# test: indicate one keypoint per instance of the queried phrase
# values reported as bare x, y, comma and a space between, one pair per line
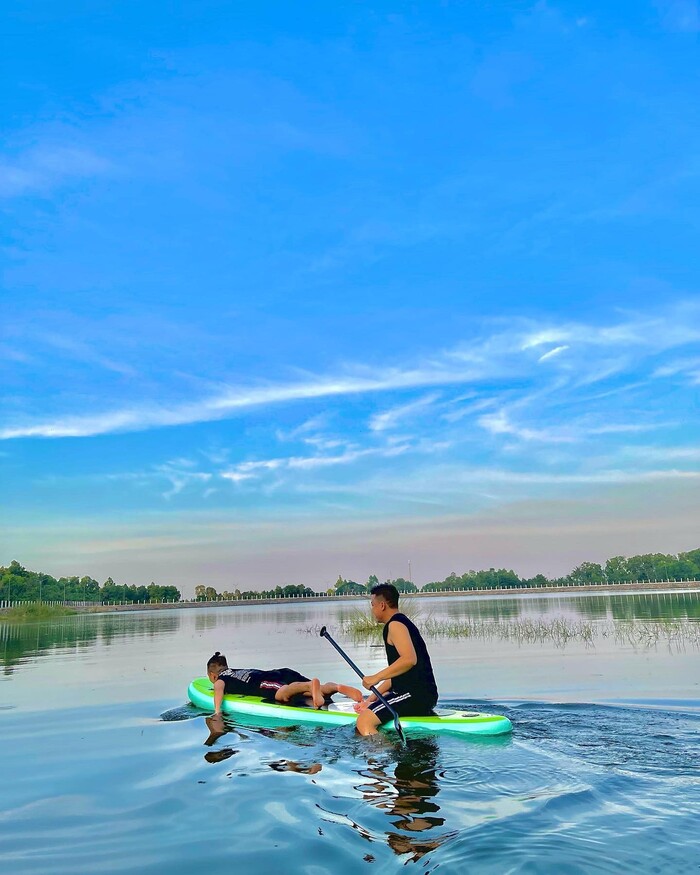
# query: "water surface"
106, 768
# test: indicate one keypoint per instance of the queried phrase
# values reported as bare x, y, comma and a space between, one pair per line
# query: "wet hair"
217, 661
388, 592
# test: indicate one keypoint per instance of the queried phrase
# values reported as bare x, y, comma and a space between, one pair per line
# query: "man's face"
377, 606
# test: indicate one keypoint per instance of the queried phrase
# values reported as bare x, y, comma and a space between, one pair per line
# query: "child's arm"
218, 696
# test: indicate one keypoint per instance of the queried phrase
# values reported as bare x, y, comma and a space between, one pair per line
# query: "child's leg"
297, 688
351, 693
311, 688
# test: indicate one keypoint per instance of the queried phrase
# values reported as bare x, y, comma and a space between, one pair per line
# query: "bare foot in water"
316, 694
350, 692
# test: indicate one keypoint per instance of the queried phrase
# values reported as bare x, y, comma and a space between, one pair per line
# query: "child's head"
216, 664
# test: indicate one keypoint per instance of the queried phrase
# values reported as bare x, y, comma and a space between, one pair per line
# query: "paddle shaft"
360, 673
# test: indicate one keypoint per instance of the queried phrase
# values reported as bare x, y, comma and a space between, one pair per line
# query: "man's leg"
367, 723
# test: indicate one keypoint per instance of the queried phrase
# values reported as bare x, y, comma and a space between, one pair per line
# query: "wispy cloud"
679, 16
687, 367
552, 352
499, 424
219, 407
44, 168
81, 351
249, 470
510, 357
388, 419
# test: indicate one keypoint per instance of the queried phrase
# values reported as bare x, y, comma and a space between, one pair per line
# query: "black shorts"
404, 704
278, 678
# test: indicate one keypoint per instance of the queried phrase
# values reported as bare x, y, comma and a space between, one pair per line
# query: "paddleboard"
201, 694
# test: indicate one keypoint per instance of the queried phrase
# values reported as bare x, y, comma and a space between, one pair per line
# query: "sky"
298, 290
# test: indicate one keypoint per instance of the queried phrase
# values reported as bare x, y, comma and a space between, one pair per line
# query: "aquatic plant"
559, 631
33, 613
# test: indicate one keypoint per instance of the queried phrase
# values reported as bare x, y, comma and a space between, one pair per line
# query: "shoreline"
588, 589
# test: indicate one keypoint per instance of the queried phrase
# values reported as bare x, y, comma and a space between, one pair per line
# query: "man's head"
216, 664
384, 601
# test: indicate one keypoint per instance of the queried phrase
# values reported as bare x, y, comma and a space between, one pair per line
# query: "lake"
106, 768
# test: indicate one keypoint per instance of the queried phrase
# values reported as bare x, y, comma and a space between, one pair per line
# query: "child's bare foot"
362, 705
316, 694
350, 692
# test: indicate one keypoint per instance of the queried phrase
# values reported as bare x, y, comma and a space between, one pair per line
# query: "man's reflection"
406, 790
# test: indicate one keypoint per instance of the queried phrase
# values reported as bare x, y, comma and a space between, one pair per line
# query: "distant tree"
404, 586
587, 572
350, 587
537, 580
617, 570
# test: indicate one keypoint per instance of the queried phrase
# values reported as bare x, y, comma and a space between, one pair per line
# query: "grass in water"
35, 613
559, 631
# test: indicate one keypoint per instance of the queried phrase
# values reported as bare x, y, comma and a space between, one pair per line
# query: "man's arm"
400, 637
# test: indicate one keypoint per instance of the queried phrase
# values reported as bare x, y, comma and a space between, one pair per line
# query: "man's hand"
371, 680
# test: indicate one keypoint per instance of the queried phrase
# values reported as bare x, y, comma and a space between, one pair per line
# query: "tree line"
619, 569
19, 584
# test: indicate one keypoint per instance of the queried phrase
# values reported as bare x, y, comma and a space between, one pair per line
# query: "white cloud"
248, 470
679, 16
499, 423
556, 351
594, 354
688, 367
230, 402
390, 418
47, 167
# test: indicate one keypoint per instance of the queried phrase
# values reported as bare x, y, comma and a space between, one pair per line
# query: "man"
407, 683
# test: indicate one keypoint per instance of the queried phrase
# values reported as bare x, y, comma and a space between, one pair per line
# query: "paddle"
360, 673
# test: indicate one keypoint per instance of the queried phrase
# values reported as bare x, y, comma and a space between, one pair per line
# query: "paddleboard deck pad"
201, 694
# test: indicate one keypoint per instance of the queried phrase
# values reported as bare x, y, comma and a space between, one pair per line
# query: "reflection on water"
21, 640
625, 606
406, 789
218, 727
580, 788
111, 788
99, 658
18, 641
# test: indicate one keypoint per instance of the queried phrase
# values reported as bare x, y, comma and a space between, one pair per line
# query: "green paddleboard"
201, 694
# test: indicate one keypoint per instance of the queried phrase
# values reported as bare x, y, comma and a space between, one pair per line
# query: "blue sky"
298, 290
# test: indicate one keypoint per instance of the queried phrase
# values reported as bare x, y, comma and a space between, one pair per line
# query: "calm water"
105, 768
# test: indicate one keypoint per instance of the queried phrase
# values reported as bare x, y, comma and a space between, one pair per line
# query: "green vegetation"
33, 613
209, 594
18, 584
650, 566
559, 631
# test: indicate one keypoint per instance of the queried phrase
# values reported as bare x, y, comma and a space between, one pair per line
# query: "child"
280, 684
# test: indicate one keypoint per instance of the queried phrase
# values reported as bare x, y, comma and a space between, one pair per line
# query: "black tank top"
419, 681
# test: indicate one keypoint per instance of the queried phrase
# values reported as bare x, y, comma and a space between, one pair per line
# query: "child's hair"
217, 661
